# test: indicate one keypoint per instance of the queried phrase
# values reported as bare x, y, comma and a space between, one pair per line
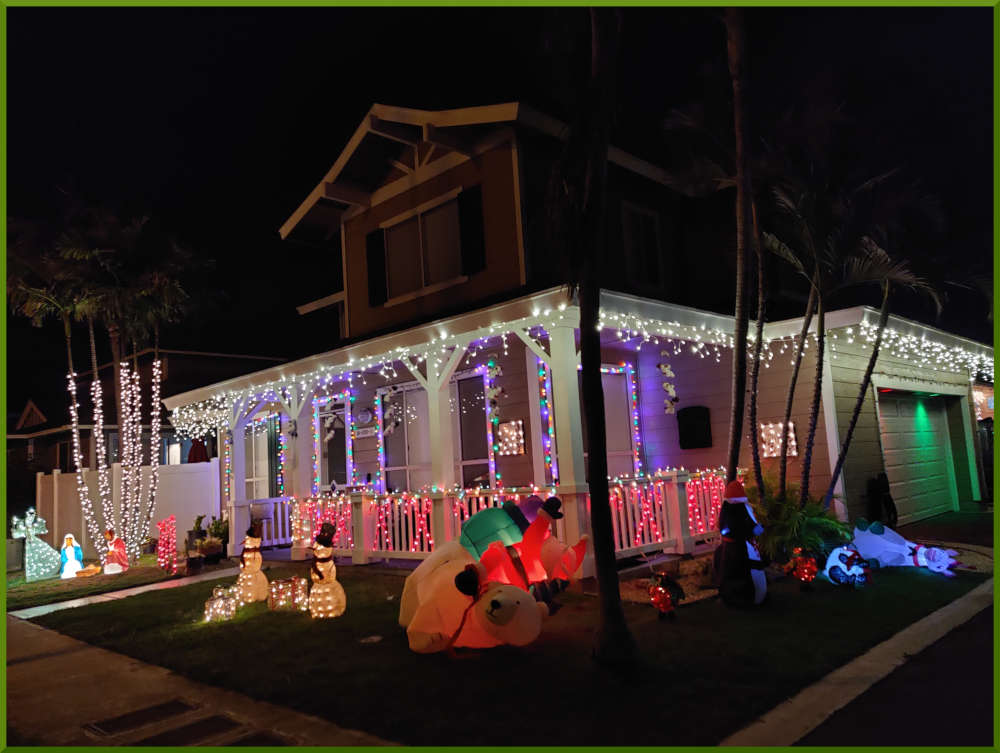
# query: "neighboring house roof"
30, 416
395, 148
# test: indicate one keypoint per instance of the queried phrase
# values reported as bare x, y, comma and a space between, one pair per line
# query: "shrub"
788, 526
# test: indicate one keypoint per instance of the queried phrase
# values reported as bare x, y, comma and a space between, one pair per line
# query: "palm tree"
38, 289
796, 364
832, 229
577, 199
744, 238
873, 263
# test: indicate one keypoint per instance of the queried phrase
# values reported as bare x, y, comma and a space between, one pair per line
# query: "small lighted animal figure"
845, 565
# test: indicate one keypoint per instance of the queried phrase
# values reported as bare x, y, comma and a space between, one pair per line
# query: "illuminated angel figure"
327, 597
40, 560
252, 583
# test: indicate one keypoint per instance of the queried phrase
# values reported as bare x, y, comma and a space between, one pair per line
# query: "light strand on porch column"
81, 485
634, 413
227, 475
548, 421
282, 458
490, 373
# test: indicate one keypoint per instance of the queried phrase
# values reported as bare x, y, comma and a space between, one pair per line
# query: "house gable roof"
30, 416
394, 148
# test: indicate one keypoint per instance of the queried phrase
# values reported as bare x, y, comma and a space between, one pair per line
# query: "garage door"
917, 454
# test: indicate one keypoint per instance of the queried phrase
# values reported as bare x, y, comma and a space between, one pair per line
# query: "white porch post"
237, 488
573, 487
302, 453
440, 430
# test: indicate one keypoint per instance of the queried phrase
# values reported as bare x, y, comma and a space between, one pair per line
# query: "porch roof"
632, 317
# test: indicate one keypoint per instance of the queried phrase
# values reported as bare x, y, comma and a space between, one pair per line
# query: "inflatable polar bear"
502, 548
437, 615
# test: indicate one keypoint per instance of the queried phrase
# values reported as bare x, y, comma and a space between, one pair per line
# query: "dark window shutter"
470, 218
375, 248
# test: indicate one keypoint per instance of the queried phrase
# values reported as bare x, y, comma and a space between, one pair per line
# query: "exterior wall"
864, 457
515, 470
494, 170
703, 381
185, 491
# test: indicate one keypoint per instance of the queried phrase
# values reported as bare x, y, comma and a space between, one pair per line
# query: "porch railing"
670, 512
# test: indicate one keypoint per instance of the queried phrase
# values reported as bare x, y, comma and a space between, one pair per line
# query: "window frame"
636, 276
418, 211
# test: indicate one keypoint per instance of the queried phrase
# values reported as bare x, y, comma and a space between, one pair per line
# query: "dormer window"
426, 249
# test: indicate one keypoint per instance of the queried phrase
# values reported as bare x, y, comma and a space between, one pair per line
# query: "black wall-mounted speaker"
694, 430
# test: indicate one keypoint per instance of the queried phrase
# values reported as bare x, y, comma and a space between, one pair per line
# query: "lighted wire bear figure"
40, 560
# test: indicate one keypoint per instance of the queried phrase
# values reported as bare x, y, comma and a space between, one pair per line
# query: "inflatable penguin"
739, 571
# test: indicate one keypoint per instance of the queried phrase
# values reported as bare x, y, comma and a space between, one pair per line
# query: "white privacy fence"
185, 491
671, 512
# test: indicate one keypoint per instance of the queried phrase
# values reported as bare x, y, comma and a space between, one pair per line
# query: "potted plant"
211, 548
195, 560
219, 529
196, 533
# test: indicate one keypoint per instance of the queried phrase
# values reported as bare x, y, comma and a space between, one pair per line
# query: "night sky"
218, 122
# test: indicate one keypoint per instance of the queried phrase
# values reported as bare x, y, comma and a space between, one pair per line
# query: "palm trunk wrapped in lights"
154, 453
755, 364
74, 414
125, 451
134, 544
103, 472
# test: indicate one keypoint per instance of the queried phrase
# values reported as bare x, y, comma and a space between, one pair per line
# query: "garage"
917, 451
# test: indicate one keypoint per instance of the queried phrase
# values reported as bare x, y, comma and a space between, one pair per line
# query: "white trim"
519, 208
421, 208
437, 287
829, 402
321, 303
976, 491
471, 325
891, 381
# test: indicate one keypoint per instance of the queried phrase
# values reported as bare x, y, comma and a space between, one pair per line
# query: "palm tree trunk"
744, 223
817, 395
614, 644
755, 366
114, 336
783, 463
74, 412
883, 318
103, 483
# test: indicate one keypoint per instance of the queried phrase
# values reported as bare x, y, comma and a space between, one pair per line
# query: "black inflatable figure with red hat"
739, 570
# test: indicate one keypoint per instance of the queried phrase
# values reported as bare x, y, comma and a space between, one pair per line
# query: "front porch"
399, 439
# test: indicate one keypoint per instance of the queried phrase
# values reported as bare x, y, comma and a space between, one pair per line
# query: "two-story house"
453, 382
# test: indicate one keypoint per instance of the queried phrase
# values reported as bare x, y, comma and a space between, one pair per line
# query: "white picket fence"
671, 512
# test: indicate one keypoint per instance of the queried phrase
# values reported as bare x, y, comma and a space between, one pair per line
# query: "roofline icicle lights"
200, 418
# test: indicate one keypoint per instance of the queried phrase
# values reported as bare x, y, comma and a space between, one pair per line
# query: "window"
427, 248
261, 446
618, 425
641, 241
407, 446
469, 401
333, 445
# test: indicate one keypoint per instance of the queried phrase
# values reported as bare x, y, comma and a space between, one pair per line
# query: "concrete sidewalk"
61, 691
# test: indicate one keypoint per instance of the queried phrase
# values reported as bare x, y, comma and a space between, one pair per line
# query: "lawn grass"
21, 595
704, 676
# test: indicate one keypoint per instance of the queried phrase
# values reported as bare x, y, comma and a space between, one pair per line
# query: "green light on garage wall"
921, 419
